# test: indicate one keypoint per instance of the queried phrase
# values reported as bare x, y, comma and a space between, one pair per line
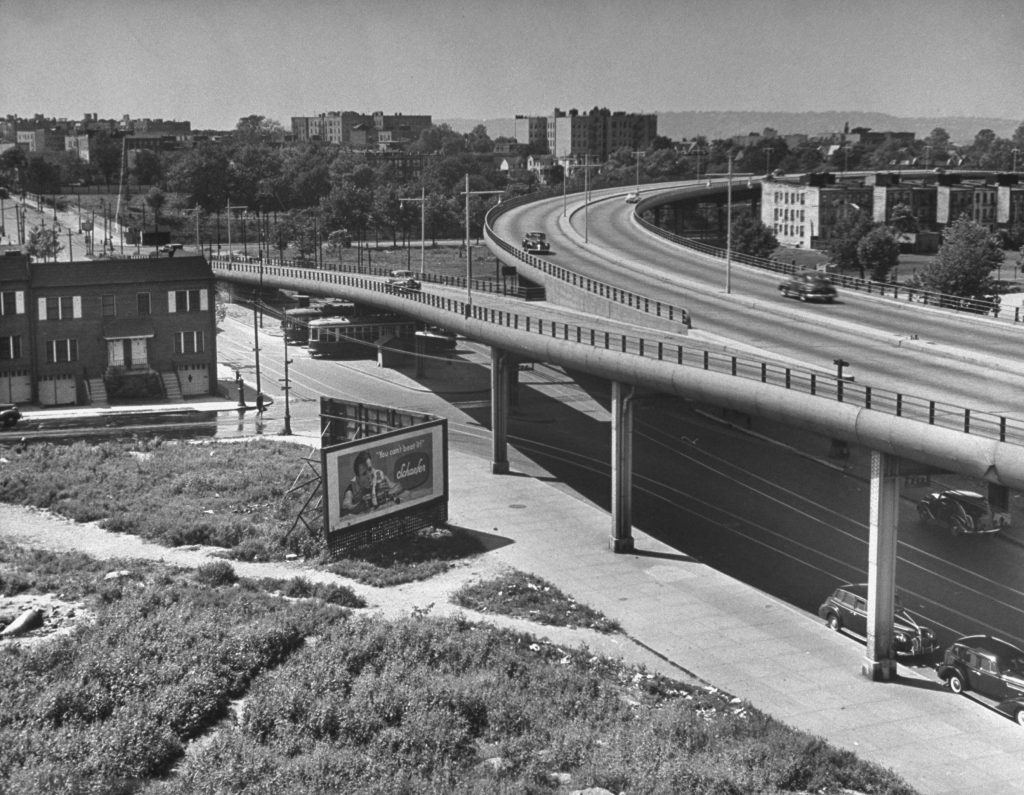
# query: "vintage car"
960, 511
9, 415
989, 666
404, 285
536, 242
632, 198
847, 608
809, 286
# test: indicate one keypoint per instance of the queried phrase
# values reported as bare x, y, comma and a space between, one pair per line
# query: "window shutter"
171, 306
42, 309
76, 303
19, 302
204, 300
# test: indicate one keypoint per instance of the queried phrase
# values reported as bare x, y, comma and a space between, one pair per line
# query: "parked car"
847, 608
9, 415
537, 242
809, 286
632, 198
989, 666
959, 511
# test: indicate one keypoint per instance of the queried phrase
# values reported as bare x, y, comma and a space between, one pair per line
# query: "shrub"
218, 572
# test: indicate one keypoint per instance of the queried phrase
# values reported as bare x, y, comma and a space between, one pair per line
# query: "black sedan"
809, 286
958, 511
846, 608
9, 415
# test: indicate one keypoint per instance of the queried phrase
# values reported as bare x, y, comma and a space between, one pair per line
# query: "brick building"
85, 332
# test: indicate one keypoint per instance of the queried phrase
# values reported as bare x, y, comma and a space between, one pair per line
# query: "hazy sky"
213, 61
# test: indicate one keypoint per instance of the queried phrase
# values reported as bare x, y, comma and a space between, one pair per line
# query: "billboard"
379, 479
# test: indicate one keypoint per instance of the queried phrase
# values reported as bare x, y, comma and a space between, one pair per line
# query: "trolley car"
358, 335
295, 322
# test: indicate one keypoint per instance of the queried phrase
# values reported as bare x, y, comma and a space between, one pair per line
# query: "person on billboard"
370, 488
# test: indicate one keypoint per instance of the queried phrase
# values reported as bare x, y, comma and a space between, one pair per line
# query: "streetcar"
295, 322
359, 335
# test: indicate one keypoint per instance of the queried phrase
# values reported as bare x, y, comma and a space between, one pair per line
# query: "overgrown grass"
174, 493
523, 595
419, 556
418, 705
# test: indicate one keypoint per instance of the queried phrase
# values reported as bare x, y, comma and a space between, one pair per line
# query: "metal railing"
750, 368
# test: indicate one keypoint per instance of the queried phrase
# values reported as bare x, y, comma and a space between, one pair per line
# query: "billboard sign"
382, 477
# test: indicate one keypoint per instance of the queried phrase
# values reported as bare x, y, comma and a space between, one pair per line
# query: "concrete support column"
622, 469
880, 659
500, 363
420, 351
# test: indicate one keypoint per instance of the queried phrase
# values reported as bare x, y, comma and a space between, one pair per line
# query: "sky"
212, 62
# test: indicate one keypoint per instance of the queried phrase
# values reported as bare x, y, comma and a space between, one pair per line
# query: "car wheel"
957, 683
802, 296
922, 514
955, 527
834, 622
1020, 717
783, 292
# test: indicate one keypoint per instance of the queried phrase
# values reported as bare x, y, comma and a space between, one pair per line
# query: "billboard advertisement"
375, 478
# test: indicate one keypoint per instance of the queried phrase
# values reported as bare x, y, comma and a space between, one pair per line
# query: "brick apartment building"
91, 331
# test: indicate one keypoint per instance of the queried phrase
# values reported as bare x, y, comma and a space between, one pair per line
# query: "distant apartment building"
376, 131
803, 210
571, 136
40, 135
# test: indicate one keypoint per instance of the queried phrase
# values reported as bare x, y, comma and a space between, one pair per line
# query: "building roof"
120, 271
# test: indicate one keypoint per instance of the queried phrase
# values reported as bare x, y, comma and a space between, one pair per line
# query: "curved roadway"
934, 354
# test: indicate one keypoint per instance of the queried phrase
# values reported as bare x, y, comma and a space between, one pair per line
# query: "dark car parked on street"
9, 415
847, 608
989, 666
959, 511
809, 286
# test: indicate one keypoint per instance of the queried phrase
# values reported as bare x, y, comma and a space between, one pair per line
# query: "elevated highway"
930, 387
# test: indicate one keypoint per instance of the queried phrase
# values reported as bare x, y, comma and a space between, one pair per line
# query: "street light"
287, 430
423, 222
728, 231
1015, 153
638, 156
469, 251
229, 209
587, 165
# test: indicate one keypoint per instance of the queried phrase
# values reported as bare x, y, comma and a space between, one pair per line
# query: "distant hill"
678, 125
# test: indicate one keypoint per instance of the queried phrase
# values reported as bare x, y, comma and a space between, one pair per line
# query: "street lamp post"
469, 251
1015, 153
728, 231
231, 207
587, 165
638, 156
287, 430
423, 223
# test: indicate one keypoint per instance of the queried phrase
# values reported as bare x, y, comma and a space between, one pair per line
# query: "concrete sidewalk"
785, 662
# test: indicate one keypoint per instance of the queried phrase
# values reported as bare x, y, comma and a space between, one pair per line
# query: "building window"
142, 300
109, 303
10, 348
187, 301
58, 351
189, 342
60, 307
12, 302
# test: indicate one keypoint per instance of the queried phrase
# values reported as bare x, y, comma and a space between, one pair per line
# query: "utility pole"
638, 156
287, 430
728, 232
469, 251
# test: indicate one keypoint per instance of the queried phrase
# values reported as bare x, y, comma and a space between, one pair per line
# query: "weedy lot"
198, 681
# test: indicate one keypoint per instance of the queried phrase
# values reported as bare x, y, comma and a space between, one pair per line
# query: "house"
75, 333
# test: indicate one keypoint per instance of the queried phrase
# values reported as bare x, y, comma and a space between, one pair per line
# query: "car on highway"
9, 415
990, 667
170, 248
632, 198
404, 281
847, 608
809, 286
960, 512
536, 242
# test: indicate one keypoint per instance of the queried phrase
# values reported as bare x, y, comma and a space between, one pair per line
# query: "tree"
203, 175
43, 242
41, 176
256, 129
878, 253
155, 199
105, 152
964, 263
750, 236
849, 228
148, 167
